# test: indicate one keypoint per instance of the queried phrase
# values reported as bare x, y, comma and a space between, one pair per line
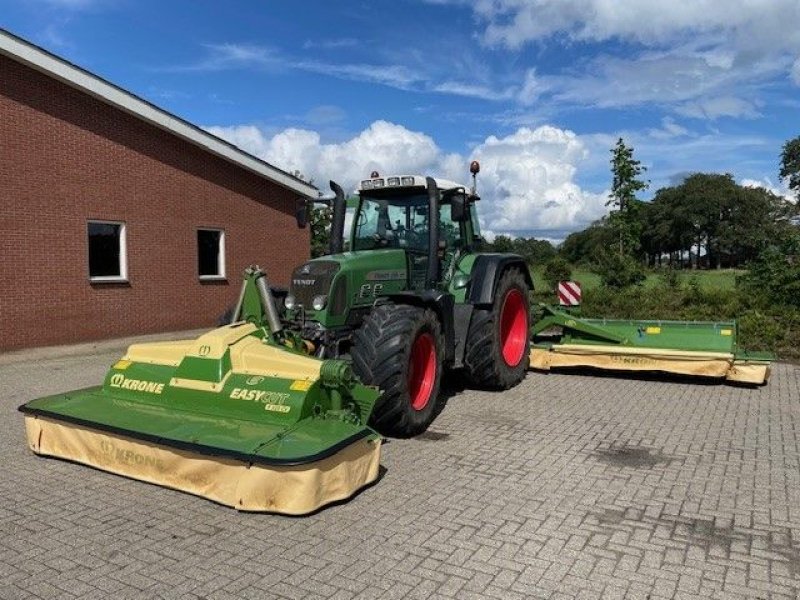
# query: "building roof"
56, 67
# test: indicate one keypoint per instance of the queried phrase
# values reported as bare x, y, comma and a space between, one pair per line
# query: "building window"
211, 253
107, 251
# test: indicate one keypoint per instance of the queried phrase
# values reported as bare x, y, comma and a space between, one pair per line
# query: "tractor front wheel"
498, 342
399, 349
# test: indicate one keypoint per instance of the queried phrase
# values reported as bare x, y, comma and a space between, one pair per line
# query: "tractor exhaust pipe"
337, 220
433, 233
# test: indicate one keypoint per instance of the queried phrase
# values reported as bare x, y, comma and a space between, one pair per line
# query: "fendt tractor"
413, 297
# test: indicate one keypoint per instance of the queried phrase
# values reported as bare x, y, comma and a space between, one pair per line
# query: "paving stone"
567, 486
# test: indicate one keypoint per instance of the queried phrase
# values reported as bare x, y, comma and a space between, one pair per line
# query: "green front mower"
239, 416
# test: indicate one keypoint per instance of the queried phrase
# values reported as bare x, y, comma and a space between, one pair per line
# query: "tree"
320, 223
532, 250
625, 171
502, 243
790, 164
319, 220
585, 247
555, 270
773, 279
712, 219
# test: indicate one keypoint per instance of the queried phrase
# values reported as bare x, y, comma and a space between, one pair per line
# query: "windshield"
400, 222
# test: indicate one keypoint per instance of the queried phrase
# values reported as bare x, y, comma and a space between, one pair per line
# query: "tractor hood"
347, 280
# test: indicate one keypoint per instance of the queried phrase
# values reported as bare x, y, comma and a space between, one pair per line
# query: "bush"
619, 270
772, 279
670, 279
555, 270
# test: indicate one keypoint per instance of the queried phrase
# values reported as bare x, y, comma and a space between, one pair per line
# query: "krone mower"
702, 349
241, 415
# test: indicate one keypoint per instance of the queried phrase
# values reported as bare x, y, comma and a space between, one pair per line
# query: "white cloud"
780, 189
648, 22
532, 88
713, 108
527, 180
331, 44
669, 129
708, 58
221, 57
473, 91
397, 76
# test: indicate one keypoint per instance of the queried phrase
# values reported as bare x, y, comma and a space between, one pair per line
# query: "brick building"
119, 218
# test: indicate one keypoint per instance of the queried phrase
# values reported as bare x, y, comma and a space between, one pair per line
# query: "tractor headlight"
460, 281
289, 302
319, 302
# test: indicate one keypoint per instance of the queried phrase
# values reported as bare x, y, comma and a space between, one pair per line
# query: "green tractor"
412, 297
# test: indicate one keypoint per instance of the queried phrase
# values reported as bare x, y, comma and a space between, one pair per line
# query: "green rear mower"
694, 348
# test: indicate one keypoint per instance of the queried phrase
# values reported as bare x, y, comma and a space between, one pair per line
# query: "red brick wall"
66, 158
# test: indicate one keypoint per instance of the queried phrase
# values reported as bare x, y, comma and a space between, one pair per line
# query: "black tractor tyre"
497, 350
400, 349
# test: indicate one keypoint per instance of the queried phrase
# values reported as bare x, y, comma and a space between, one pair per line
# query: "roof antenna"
474, 168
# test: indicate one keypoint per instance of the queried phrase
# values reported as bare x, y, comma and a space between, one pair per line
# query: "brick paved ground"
566, 487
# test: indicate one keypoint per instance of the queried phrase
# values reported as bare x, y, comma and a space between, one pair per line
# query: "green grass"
718, 279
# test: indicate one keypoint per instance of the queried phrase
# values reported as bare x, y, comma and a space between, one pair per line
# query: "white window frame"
123, 253
221, 275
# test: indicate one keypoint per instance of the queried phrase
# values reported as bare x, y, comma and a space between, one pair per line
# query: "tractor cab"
432, 220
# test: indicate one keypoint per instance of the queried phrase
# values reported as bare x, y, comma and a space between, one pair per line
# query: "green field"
721, 279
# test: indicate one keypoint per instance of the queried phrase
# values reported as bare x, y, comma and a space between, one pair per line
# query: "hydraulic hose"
268, 303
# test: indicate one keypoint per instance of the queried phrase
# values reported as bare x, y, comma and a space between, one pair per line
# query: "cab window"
400, 222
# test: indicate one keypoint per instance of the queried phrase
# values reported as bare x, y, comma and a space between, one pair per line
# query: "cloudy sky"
537, 90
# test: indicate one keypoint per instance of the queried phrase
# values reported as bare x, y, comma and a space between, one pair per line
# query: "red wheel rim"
513, 328
421, 371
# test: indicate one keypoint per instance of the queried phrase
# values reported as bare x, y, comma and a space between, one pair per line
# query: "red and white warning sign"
569, 293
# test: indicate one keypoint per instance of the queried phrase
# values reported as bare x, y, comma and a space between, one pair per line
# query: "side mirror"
459, 211
301, 214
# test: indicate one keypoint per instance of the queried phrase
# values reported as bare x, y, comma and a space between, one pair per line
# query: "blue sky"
538, 90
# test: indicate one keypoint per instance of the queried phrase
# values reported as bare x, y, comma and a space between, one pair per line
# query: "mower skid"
755, 373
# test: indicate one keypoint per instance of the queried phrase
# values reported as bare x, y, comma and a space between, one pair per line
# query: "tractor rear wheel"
399, 349
498, 342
